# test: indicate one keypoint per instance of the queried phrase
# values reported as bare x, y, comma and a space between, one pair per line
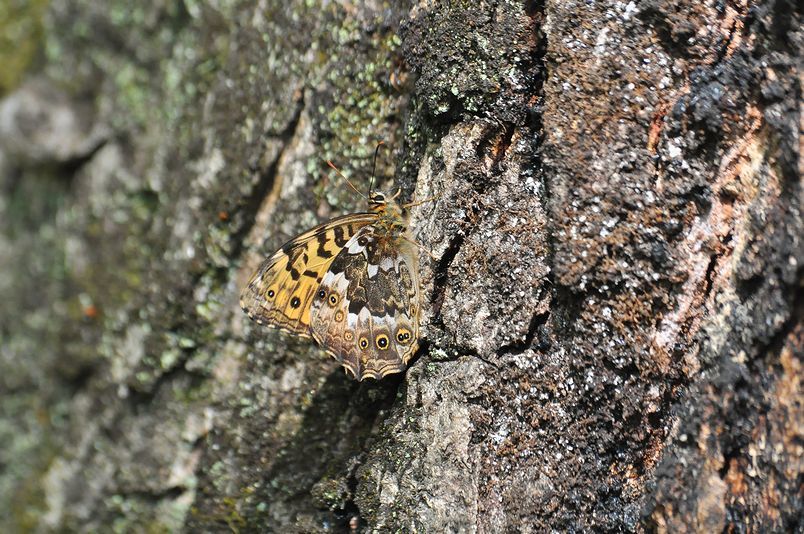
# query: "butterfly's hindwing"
281, 291
366, 310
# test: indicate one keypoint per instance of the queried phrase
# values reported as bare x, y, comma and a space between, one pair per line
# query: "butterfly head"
377, 198
385, 205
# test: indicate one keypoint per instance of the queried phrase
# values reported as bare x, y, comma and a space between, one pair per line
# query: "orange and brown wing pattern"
281, 291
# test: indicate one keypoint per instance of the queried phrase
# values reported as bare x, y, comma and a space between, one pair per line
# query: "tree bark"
613, 333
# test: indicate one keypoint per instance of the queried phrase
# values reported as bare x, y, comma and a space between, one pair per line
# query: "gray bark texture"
612, 338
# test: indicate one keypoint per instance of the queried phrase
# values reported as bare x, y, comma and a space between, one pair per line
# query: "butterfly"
351, 284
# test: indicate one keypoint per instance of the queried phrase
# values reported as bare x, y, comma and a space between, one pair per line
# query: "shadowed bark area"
612, 339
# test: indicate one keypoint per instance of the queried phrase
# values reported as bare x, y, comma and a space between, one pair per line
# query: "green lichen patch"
21, 39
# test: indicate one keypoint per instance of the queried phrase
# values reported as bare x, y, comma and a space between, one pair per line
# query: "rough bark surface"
613, 338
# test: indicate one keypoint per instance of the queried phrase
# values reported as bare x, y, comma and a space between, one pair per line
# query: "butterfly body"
351, 284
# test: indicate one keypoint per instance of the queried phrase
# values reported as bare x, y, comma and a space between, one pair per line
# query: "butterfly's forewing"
282, 289
366, 311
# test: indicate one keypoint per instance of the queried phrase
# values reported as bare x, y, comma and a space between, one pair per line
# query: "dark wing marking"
281, 290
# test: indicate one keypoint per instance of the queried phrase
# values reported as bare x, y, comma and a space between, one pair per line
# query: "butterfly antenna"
345, 179
374, 165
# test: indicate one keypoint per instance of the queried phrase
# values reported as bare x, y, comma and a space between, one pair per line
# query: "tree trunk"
613, 333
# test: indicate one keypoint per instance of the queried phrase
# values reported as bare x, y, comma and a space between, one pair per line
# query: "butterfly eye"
382, 341
322, 294
363, 343
338, 316
348, 335
333, 299
294, 303
403, 335
271, 293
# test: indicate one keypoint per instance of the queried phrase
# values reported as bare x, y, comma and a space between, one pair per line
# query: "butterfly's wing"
366, 312
282, 289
